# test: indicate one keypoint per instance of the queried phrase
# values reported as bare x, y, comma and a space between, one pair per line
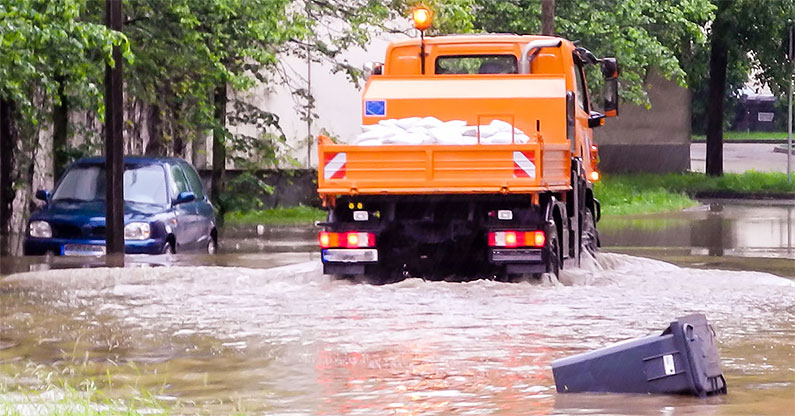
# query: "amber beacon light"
422, 16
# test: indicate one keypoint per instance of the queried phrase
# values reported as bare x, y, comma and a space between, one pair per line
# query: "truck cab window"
582, 90
476, 64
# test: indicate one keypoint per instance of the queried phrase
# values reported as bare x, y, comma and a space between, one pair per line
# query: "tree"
744, 34
641, 33
48, 52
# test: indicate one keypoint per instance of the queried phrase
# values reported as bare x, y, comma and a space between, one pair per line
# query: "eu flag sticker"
374, 108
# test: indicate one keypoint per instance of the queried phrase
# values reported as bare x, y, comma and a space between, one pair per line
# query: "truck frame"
469, 210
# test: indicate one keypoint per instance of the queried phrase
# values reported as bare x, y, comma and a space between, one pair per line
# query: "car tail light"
517, 239
351, 239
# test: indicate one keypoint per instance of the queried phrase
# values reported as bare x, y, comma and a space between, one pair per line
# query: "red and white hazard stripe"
334, 166
523, 166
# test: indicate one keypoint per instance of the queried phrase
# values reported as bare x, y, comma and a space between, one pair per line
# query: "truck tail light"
351, 239
517, 239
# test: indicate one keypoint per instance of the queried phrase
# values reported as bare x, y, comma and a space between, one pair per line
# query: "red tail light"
517, 239
350, 239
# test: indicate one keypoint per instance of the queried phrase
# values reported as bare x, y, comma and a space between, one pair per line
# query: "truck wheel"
553, 255
590, 236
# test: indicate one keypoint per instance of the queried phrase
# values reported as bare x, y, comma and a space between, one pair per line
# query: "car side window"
194, 180
180, 184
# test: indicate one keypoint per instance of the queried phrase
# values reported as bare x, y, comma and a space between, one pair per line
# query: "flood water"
269, 334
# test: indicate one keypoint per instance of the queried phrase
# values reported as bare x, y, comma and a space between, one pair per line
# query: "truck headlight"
136, 231
40, 229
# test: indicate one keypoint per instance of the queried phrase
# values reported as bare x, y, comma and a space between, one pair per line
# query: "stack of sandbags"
431, 130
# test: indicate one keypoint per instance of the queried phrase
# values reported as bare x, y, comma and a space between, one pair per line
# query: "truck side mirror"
610, 72
372, 68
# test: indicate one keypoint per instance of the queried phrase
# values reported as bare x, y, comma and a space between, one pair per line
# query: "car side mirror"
184, 197
610, 72
596, 119
43, 195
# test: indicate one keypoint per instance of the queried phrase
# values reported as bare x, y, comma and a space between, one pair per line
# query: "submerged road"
288, 340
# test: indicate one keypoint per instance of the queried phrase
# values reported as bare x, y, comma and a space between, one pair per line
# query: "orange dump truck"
470, 206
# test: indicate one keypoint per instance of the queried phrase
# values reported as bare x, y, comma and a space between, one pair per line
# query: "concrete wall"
653, 140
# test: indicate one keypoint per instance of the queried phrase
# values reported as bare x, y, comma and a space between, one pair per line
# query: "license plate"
83, 250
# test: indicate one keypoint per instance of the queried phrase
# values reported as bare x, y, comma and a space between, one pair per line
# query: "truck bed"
442, 169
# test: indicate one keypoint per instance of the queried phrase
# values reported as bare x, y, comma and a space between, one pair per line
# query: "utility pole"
114, 139
791, 55
548, 17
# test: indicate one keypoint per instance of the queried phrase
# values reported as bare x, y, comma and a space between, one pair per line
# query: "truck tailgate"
426, 169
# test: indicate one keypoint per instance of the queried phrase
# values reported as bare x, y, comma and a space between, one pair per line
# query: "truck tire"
590, 237
553, 253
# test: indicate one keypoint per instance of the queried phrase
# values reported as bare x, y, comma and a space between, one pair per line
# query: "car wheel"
168, 248
212, 247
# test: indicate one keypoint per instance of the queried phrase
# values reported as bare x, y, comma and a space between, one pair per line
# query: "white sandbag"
454, 124
406, 139
502, 137
370, 142
429, 122
500, 126
407, 123
390, 122
447, 135
380, 132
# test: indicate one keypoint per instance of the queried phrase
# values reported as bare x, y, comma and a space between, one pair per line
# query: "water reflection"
715, 229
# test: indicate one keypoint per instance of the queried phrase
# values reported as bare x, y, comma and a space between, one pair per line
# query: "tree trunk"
154, 146
548, 17
718, 62
60, 124
177, 142
219, 150
7, 145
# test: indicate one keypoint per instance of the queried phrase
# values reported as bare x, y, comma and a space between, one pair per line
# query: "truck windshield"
142, 184
476, 64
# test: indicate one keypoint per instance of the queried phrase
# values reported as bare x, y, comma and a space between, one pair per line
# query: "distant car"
165, 210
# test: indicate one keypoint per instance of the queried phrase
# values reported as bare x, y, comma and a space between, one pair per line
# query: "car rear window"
476, 64
143, 184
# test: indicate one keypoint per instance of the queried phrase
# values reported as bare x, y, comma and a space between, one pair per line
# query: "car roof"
132, 160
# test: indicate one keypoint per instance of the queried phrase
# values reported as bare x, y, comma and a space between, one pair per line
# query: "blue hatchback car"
165, 210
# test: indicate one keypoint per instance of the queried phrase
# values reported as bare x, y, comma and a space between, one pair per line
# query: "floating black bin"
683, 360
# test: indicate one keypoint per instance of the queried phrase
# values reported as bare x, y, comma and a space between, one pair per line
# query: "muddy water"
287, 340
738, 235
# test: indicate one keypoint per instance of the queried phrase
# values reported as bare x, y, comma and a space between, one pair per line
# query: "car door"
205, 216
185, 233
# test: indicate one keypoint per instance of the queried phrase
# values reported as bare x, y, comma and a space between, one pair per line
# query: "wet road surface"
269, 334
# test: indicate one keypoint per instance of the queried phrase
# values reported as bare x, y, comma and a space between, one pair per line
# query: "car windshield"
142, 184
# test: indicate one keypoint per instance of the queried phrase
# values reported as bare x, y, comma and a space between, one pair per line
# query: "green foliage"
42, 40
641, 34
643, 193
300, 215
756, 40
630, 194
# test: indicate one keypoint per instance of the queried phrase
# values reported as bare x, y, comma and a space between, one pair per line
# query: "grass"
300, 215
760, 136
43, 393
648, 193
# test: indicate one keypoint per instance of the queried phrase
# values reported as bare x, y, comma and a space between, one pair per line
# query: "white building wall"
337, 100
